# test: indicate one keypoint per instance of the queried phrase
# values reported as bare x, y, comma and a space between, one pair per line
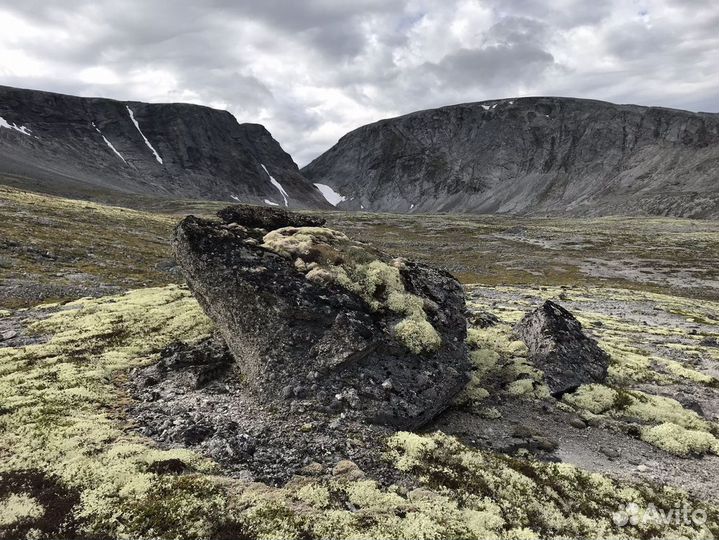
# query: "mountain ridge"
160, 149
530, 156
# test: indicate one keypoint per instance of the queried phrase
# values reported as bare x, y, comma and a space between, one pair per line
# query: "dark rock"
279, 325
483, 319
577, 422
267, 218
168, 466
193, 365
559, 348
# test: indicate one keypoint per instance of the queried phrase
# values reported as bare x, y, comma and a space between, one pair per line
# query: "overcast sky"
312, 70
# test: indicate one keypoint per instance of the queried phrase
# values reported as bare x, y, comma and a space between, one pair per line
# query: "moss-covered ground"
71, 466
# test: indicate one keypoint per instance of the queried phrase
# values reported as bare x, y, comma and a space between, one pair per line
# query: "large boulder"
311, 315
559, 348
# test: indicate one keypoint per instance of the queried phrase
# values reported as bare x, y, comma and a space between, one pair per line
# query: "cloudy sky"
312, 70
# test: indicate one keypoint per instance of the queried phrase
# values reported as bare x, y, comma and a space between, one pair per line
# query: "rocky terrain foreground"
541, 156
254, 373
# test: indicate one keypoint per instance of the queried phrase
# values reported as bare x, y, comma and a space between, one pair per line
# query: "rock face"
84, 146
530, 156
559, 348
309, 314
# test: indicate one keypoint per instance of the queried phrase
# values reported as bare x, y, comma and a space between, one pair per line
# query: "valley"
645, 288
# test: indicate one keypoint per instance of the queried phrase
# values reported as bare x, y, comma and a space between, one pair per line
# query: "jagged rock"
192, 366
559, 348
306, 307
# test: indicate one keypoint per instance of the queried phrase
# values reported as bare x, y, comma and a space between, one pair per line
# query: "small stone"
577, 422
307, 427
642, 468
387, 384
312, 469
522, 432
611, 453
491, 414
546, 444
8, 335
287, 392
347, 469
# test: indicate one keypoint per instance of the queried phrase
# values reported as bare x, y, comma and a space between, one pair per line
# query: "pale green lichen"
417, 335
328, 256
666, 415
19, 507
496, 353
57, 396
531, 499
595, 398
679, 440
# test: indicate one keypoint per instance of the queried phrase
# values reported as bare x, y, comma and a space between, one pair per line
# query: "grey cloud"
314, 69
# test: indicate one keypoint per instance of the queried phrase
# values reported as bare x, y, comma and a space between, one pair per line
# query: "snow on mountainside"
76, 145
530, 156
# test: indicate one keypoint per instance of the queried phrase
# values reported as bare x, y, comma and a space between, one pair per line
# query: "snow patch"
485, 107
108, 142
277, 185
271, 203
330, 194
511, 102
22, 129
235, 197
362, 206
411, 207
132, 117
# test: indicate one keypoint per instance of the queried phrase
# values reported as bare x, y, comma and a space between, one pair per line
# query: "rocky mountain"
531, 156
172, 150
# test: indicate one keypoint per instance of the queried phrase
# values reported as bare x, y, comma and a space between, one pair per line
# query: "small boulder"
558, 347
300, 305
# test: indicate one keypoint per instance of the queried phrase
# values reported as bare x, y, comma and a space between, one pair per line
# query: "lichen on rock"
301, 305
326, 255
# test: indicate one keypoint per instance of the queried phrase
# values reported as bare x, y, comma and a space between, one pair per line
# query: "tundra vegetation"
66, 443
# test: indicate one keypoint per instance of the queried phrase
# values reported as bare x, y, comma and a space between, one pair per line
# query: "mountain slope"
530, 156
171, 150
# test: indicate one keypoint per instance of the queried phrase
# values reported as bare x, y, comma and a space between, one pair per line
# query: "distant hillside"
75, 146
531, 156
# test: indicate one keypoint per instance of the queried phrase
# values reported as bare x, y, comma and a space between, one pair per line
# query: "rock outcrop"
311, 315
558, 347
86, 147
530, 156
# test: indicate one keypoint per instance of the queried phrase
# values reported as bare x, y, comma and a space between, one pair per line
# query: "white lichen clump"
19, 507
328, 256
